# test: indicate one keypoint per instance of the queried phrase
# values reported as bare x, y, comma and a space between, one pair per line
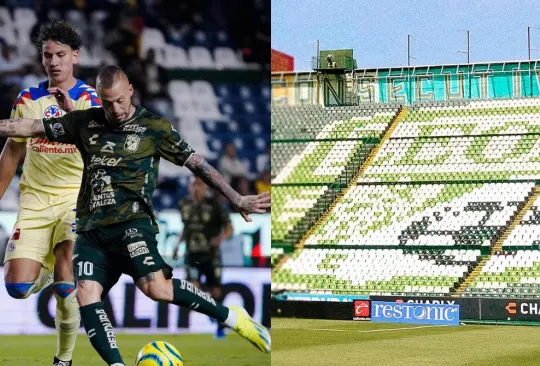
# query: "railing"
332, 62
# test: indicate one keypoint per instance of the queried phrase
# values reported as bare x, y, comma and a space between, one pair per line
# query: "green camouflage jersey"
120, 162
202, 220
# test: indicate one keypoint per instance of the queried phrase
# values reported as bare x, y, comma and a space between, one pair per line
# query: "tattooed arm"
244, 204
21, 127
9, 160
200, 167
173, 148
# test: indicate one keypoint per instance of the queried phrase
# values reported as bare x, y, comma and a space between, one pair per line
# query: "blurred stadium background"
205, 66
407, 184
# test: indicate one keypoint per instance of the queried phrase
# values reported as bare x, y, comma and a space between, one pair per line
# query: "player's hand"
253, 204
215, 242
63, 99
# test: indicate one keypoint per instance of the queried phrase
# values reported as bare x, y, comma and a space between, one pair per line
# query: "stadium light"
409, 37
468, 52
529, 40
317, 54
529, 49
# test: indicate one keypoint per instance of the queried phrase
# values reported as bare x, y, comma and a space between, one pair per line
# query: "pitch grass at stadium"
195, 349
329, 342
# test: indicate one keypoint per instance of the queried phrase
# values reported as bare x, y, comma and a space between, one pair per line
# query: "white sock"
67, 323
232, 319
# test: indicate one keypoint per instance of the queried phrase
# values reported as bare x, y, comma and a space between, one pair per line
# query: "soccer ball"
159, 354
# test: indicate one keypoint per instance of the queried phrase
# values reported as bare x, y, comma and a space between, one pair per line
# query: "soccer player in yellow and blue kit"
40, 249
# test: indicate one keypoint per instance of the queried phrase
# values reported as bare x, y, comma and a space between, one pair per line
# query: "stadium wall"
132, 312
407, 85
295, 88
281, 61
472, 310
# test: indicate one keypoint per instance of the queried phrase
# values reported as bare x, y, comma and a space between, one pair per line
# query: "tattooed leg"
181, 293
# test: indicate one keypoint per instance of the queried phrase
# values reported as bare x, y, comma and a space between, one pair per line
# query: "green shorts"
198, 265
129, 247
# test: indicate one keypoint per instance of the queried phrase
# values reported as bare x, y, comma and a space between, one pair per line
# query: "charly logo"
108, 148
149, 261
53, 111
511, 308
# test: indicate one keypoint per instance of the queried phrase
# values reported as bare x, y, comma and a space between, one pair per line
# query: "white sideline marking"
329, 330
376, 330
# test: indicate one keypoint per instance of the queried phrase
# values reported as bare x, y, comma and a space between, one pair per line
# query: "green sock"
185, 294
101, 333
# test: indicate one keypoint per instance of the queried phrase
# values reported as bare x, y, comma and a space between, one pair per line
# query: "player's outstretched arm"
21, 127
244, 204
9, 160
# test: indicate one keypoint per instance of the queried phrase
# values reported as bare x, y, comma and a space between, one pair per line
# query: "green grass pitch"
331, 342
27, 350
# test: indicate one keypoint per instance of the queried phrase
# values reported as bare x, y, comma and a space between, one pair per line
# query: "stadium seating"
276, 255
319, 147
290, 204
527, 233
374, 271
486, 140
511, 274
453, 184
458, 214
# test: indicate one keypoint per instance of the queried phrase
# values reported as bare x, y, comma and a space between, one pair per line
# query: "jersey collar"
138, 111
73, 92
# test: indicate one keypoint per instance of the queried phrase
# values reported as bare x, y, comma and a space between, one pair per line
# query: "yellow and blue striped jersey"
51, 170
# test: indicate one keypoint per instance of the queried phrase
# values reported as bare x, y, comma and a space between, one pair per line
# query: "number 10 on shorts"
86, 268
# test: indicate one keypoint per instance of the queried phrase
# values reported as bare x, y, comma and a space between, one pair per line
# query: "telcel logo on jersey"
99, 160
53, 111
437, 314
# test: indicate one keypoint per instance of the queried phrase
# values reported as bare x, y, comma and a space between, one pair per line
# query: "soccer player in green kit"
121, 145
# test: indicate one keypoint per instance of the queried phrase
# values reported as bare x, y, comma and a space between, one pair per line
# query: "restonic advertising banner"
468, 307
402, 312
